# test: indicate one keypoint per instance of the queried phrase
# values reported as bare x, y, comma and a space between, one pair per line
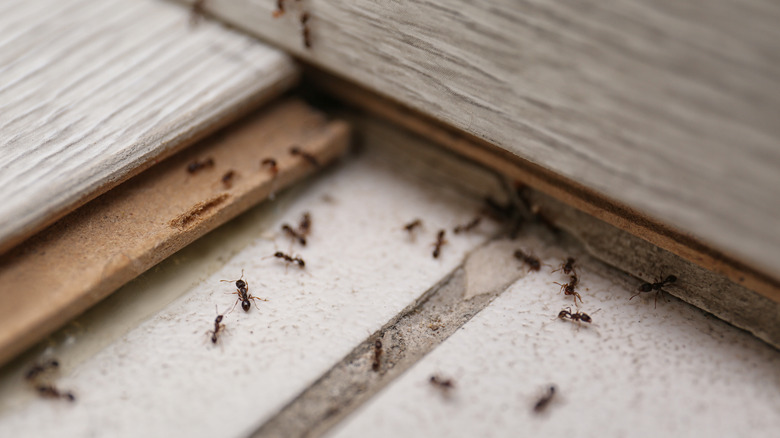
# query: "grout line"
408, 337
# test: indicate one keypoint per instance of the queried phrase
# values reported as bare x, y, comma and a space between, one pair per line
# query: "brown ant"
304, 226
243, 294
411, 226
567, 266
218, 326
196, 165
305, 30
227, 178
272, 166
294, 235
533, 263
297, 151
289, 259
444, 385
197, 12
49, 391
377, 356
576, 316
649, 287
438, 244
39, 368
568, 288
469, 226
543, 402
279, 9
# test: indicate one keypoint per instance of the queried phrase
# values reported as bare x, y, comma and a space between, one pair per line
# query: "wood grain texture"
93, 92
92, 251
669, 108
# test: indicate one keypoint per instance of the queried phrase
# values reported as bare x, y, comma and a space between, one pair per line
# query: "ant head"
670, 279
279, 254
585, 317
378, 344
562, 314
245, 305
647, 287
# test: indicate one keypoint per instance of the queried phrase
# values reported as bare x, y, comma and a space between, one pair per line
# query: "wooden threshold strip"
563, 189
68, 267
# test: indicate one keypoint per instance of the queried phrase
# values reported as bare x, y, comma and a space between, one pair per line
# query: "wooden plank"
669, 109
88, 254
93, 93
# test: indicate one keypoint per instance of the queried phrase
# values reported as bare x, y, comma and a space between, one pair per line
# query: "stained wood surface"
668, 108
93, 92
62, 271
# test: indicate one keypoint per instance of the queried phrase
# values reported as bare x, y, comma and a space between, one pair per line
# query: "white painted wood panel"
90, 91
636, 370
671, 108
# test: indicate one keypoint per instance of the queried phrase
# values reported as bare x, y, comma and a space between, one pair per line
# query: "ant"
543, 402
49, 391
218, 326
469, 226
411, 226
438, 244
279, 9
304, 226
567, 266
243, 294
197, 11
227, 178
576, 316
648, 287
196, 165
445, 385
533, 263
294, 235
272, 166
306, 31
568, 288
295, 150
289, 259
39, 368
377, 355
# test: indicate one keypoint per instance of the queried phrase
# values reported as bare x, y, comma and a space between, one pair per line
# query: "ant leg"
635, 295
255, 298
234, 304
